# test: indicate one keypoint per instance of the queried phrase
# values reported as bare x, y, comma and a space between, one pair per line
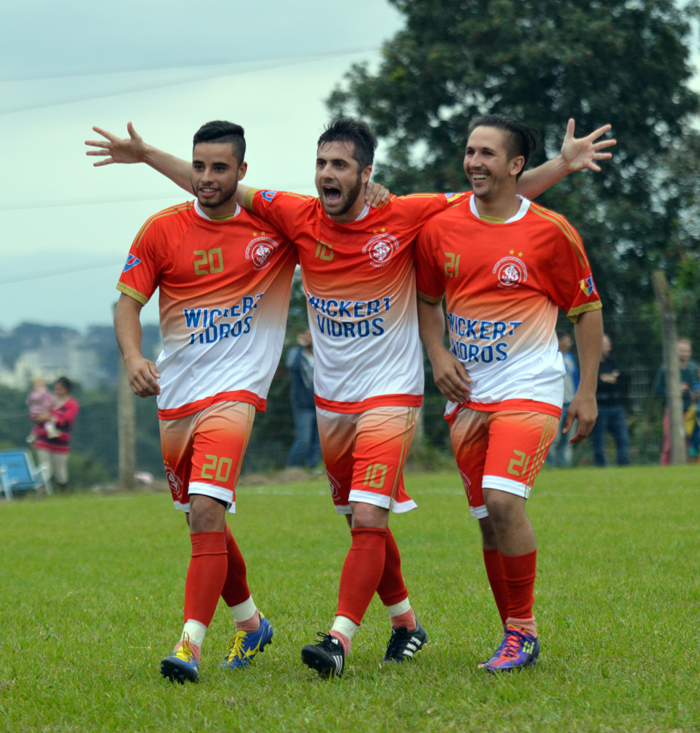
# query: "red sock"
391, 587
206, 575
499, 587
520, 572
235, 589
362, 571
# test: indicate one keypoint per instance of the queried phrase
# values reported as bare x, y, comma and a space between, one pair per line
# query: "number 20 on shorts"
222, 466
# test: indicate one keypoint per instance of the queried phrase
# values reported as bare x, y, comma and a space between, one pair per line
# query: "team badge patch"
260, 251
174, 482
587, 286
510, 271
268, 195
381, 249
452, 197
131, 261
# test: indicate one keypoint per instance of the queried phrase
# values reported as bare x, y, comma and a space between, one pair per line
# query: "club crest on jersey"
335, 486
510, 271
588, 286
381, 249
174, 482
268, 195
260, 250
452, 197
131, 261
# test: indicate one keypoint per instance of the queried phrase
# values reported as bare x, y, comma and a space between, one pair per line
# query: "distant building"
50, 362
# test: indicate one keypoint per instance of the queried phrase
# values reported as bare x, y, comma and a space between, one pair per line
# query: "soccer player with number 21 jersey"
505, 266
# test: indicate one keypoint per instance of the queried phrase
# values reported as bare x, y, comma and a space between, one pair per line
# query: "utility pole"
126, 419
672, 367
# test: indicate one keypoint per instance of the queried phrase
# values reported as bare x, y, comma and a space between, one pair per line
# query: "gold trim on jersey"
574, 313
166, 212
492, 219
248, 200
140, 297
566, 228
430, 299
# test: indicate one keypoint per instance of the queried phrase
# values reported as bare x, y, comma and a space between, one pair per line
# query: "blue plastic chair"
18, 473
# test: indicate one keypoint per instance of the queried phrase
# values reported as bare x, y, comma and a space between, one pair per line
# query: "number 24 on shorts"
222, 466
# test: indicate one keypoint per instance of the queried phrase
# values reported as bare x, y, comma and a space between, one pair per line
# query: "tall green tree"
625, 62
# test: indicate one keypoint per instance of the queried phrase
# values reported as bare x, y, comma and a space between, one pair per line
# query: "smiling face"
339, 181
488, 165
215, 175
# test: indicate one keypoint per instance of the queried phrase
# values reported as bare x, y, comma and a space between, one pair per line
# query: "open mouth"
478, 177
331, 194
206, 191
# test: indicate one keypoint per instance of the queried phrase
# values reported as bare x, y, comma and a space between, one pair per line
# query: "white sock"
345, 626
243, 611
196, 632
398, 608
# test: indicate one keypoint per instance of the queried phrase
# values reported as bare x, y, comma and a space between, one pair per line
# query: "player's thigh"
518, 444
336, 432
383, 441
469, 436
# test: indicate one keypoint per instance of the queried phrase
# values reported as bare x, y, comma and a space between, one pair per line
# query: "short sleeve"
139, 278
430, 279
287, 212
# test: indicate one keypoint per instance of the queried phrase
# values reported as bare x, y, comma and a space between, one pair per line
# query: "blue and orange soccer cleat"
246, 644
517, 650
182, 665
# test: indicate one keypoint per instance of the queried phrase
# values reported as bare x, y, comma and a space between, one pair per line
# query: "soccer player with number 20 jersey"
505, 266
225, 279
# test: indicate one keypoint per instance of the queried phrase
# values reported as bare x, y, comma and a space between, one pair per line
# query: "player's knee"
206, 514
503, 507
488, 535
368, 515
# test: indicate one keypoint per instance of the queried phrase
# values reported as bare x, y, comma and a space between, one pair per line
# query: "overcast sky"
66, 227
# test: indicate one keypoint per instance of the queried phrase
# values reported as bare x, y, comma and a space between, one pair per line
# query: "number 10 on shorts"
375, 476
222, 466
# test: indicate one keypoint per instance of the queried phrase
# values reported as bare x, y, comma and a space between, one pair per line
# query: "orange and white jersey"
504, 283
224, 296
359, 282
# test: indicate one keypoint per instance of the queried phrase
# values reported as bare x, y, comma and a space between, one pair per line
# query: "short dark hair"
220, 131
65, 383
350, 130
521, 139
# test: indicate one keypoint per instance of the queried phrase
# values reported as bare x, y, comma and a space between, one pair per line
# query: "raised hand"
581, 153
113, 149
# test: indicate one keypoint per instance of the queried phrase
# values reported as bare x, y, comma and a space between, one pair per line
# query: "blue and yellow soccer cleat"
246, 644
517, 650
182, 665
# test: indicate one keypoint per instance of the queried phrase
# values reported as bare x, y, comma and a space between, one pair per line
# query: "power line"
149, 87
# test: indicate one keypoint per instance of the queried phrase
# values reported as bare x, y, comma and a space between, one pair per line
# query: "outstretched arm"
449, 373
576, 154
589, 341
133, 149
143, 374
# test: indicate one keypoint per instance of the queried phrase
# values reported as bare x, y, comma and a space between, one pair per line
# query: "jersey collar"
198, 209
524, 206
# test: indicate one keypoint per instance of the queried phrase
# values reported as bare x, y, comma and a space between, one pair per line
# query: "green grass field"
91, 590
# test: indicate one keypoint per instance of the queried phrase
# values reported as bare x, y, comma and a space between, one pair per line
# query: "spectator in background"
53, 451
611, 415
689, 375
561, 451
692, 421
306, 448
40, 402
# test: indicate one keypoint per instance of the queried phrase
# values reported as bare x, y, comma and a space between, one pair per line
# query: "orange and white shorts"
499, 450
365, 454
203, 452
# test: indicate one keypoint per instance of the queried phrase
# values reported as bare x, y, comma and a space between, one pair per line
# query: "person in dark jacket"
611, 415
306, 448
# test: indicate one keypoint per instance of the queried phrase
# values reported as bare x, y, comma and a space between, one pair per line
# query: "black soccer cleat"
404, 643
327, 657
